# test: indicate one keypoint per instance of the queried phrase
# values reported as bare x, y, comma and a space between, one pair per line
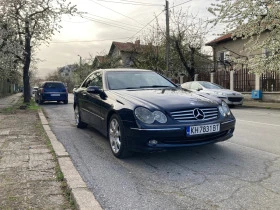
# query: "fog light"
230, 131
153, 142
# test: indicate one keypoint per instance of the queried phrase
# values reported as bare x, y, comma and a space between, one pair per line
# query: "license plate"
202, 129
55, 94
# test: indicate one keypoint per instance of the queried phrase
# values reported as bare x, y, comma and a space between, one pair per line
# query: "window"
94, 79
224, 56
136, 79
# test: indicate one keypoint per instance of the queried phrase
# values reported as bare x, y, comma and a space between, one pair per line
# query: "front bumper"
233, 100
173, 137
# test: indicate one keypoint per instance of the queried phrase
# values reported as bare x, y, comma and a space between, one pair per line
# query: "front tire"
78, 119
117, 139
65, 102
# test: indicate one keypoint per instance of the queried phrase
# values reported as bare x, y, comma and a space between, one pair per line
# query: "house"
67, 71
226, 47
125, 52
98, 61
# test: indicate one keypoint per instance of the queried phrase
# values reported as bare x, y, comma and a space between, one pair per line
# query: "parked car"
34, 90
140, 110
51, 91
229, 96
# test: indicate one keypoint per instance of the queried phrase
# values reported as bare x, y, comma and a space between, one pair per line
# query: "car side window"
96, 80
93, 80
87, 82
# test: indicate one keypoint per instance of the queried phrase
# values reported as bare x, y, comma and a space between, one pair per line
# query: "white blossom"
257, 21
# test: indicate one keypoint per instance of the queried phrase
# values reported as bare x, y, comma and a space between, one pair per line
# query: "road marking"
259, 123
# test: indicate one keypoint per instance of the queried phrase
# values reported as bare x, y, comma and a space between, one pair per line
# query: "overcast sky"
83, 37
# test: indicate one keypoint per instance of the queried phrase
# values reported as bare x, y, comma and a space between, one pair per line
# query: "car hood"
168, 99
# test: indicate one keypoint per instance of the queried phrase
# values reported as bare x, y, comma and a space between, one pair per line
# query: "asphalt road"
242, 173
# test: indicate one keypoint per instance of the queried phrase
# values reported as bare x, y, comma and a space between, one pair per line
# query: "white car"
229, 96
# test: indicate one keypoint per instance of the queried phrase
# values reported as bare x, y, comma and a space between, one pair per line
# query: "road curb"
260, 107
82, 197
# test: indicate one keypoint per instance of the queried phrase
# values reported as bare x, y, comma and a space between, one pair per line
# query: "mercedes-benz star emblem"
198, 114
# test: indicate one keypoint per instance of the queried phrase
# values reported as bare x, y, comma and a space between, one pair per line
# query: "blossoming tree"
25, 24
257, 21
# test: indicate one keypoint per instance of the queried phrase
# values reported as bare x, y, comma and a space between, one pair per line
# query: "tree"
187, 34
257, 21
32, 22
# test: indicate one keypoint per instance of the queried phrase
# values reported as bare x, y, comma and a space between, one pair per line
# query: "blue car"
52, 91
142, 111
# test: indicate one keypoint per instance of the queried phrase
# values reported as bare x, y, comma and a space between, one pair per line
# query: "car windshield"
54, 85
136, 79
210, 85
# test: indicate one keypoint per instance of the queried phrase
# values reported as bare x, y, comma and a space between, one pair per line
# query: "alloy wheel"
115, 135
77, 115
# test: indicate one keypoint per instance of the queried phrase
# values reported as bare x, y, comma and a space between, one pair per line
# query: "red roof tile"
225, 37
126, 46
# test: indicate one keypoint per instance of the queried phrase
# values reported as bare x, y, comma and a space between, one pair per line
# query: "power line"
76, 22
131, 2
180, 4
113, 25
124, 24
116, 12
145, 26
100, 40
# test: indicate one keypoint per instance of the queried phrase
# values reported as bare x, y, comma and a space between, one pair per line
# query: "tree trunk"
26, 65
192, 70
189, 70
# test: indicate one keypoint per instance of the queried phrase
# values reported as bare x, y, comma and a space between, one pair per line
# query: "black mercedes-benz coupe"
140, 110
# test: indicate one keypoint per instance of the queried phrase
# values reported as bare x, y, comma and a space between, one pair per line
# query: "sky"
109, 21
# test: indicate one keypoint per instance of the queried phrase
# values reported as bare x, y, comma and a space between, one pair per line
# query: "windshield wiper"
156, 86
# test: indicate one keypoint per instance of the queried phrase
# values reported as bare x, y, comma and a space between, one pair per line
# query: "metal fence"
270, 81
222, 78
244, 81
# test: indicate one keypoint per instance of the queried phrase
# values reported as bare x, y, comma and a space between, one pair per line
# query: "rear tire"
117, 138
78, 119
41, 101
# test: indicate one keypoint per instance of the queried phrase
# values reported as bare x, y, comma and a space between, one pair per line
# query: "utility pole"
80, 68
167, 37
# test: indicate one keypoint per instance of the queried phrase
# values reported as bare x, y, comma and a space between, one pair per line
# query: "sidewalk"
10, 100
260, 104
28, 167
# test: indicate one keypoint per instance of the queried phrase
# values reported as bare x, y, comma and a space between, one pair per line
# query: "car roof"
53, 82
122, 69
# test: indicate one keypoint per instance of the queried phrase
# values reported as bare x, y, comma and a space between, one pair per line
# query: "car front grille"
188, 114
235, 99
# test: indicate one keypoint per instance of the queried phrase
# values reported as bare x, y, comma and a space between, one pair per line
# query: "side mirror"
94, 90
199, 89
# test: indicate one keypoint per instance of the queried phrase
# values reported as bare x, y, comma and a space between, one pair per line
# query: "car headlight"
226, 108
222, 111
219, 93
160, 117
146, 116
